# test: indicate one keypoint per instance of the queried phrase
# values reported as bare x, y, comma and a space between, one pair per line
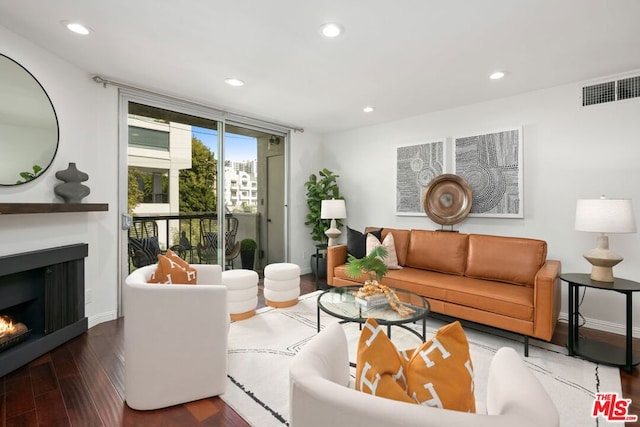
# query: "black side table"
597, 351
320, 284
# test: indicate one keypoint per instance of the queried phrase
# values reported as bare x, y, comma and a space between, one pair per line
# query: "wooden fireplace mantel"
27, 208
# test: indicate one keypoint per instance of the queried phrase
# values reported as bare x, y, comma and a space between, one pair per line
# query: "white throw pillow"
391, 260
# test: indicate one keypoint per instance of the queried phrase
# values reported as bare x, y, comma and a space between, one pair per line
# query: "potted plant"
372, 292
322, 186
371, 264
247, 253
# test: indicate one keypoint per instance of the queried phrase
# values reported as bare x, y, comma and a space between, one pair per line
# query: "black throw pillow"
357, 242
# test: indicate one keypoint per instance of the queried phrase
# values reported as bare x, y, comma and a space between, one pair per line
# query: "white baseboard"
601, 325
305, 270
102, 317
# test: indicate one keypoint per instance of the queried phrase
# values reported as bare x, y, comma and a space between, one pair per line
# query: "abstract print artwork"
416, 166
492, 166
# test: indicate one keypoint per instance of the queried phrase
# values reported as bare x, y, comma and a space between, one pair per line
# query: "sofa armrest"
546, 299
336, 256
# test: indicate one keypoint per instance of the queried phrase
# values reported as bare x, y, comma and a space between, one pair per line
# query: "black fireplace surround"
43, 289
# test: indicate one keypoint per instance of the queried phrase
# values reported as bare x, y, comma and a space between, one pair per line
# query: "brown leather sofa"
503, 282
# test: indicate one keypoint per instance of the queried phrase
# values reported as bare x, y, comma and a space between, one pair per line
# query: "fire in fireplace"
11, 333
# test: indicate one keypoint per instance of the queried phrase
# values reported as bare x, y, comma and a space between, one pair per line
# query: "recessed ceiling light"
331, 30
76, 27
234, 82
368, 109
497, 75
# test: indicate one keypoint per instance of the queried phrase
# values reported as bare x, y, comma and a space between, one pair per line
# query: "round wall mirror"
29, 131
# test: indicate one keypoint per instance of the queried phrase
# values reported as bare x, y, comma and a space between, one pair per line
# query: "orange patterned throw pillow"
438, 373
173, 270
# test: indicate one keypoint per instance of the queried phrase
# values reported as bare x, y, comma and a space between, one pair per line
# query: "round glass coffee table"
340, 302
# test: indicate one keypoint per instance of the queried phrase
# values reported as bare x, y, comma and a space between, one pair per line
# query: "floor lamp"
333, 209
604, 216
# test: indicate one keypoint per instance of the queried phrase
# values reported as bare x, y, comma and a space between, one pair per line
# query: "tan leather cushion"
495, 298
438, 251
506, 259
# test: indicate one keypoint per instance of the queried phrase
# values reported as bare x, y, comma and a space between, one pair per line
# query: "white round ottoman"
242, 292
281, 284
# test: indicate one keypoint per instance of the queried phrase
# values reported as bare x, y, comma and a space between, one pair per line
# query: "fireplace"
44, 291
11, 333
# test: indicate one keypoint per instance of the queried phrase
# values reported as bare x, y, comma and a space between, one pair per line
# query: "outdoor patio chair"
144, 245
207, 248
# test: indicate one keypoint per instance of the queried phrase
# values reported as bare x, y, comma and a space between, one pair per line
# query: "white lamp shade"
605, 216
333, 209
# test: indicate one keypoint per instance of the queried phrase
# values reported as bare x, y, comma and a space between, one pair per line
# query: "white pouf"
281, 284
242, 292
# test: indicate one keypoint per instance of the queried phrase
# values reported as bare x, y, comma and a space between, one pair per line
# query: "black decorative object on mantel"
71, 191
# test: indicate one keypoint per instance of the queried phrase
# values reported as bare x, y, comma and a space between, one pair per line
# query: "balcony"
173, 229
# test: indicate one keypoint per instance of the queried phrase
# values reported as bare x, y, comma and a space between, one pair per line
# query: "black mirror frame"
55, 116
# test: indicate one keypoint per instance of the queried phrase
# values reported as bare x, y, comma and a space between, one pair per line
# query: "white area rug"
261, 347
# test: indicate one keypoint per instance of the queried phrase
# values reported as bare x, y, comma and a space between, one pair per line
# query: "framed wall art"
491, 163
416, 166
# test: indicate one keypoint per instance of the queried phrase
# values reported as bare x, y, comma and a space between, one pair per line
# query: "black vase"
247, 258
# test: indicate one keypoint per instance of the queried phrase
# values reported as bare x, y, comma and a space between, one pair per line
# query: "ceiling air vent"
615, 90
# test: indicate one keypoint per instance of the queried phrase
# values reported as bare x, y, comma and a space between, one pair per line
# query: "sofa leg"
526, 346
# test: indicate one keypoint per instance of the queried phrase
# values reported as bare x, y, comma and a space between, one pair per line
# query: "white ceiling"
405, 57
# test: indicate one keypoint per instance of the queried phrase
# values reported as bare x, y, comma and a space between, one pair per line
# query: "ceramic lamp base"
602, 274
333, 233
602, 259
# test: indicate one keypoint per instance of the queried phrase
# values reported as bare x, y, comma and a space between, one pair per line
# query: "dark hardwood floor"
81, 383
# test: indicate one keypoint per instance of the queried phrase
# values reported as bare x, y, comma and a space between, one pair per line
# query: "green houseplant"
371, 264
247, 253
322, 186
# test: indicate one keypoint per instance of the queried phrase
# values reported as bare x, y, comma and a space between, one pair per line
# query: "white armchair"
175, 339
319, 395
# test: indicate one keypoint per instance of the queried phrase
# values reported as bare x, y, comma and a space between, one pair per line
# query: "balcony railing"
184, 230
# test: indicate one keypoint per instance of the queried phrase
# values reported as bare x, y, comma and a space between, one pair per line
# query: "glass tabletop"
341, 302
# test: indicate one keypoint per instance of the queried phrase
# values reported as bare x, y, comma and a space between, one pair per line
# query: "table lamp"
333, 209
604, 216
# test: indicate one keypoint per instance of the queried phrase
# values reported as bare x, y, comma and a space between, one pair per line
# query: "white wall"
570, 152
87, 115
306, 156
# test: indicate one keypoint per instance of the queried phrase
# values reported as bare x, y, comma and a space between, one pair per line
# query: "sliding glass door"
171, 186
197, 185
